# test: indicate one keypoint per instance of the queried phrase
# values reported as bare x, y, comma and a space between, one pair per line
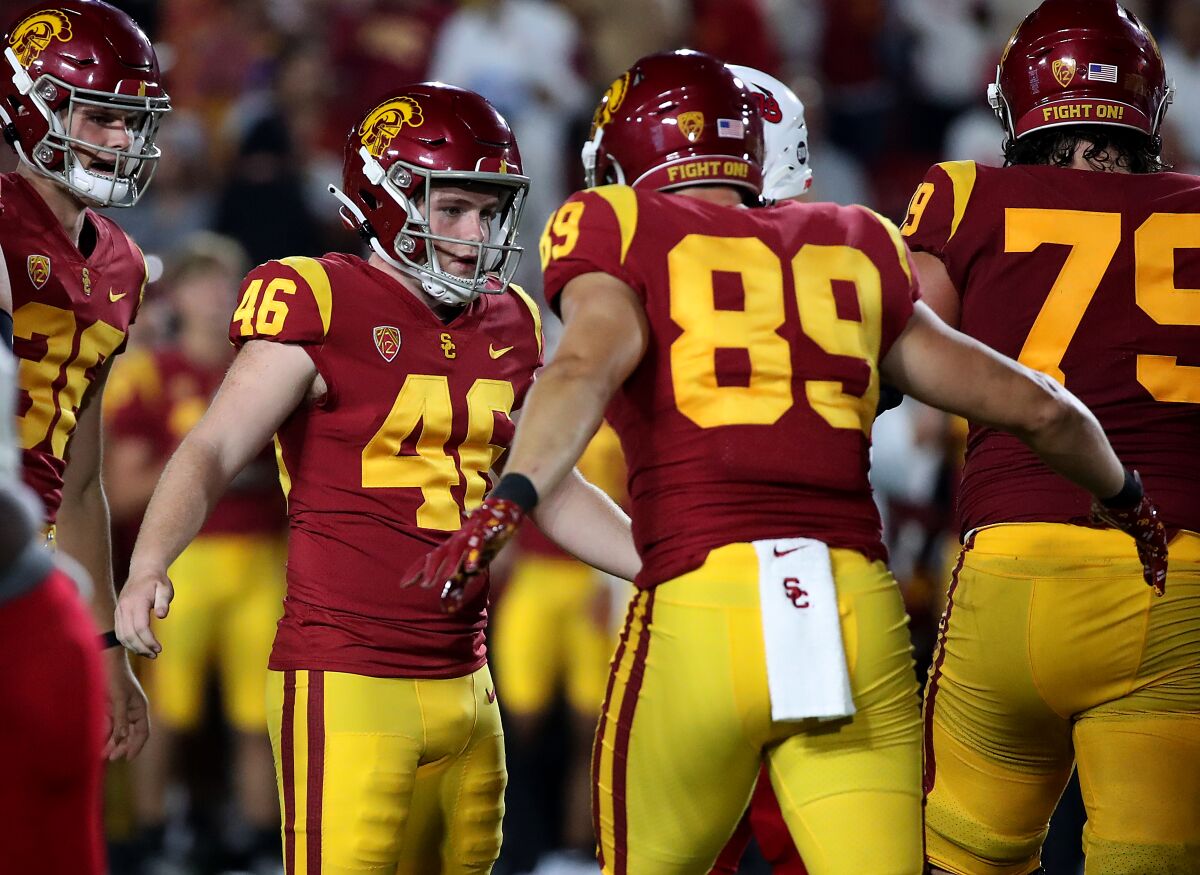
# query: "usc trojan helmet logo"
31, 37
384, 122
610, 103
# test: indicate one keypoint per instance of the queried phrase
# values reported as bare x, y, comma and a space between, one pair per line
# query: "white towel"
806, 662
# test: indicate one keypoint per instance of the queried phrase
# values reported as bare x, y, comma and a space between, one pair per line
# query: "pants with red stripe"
764, 821
52, 733
387, 776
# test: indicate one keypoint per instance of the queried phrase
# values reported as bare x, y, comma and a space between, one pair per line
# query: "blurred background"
264, 92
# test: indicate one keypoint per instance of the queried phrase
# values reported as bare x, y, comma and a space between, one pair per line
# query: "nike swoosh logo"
496, 353
114, 297
491, 694
779, 552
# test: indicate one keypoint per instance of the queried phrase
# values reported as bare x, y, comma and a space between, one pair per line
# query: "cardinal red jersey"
156, 396
1093, 278
384, 467
749, 416
70, 314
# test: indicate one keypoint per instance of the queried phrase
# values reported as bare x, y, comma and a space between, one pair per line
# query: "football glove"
1141, 522
458, 567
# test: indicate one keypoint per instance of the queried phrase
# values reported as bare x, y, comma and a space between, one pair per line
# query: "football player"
52, 685
80, 103
231, 576
1079, 259
390, 384
738, 353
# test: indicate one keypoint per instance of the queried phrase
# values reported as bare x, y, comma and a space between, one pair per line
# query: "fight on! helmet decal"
384, 123
32, 36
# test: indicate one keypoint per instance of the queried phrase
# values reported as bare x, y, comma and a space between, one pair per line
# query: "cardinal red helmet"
418, 137
63, 57
1080, 62
673, 120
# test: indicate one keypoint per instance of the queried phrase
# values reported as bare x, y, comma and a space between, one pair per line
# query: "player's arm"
83, 534
266, 382
937, 289
945, 368
604, 337
589, 525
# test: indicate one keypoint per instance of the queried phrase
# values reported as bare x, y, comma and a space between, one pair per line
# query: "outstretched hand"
457, 566
1141, 522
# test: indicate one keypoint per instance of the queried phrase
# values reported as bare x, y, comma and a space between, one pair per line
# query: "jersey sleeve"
899, 285
590, 233
539, 340
938, 206
286, 301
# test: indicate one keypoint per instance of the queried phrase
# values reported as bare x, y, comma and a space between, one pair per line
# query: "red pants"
52, 720
765, 821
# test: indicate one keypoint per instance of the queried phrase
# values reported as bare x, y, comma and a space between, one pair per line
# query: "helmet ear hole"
369, 199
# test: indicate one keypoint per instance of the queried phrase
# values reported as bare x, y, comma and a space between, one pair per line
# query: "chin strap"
438, 291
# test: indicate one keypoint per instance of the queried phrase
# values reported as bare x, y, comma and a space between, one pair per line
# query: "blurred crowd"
263, 94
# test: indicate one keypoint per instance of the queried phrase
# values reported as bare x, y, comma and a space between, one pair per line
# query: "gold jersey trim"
313, 273
533, 311
624, 204
962, 181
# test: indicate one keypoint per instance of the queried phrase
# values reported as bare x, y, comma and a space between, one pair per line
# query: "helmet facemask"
413, 249
56, 156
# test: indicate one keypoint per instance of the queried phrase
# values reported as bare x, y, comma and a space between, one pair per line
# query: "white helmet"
786, 171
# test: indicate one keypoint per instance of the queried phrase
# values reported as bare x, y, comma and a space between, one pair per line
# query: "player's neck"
445, 312
721, 195
68, 209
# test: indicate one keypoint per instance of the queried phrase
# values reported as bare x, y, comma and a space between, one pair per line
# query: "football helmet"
72, 54
672, 120
786, 171
412, 140
1076, 62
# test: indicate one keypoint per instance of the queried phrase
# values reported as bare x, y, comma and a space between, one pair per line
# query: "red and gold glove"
457, 567
1134, 513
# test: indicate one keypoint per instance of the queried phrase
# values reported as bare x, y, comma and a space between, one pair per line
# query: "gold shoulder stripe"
313, 273
145, 270
897, 241
962, 182
624, 203
285, 479
533, 311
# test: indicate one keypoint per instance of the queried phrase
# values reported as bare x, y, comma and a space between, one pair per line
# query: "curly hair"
1123, 147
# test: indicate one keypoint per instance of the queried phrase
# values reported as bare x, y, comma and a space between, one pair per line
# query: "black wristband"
108, 640
518, 489
1131, 493
6, 329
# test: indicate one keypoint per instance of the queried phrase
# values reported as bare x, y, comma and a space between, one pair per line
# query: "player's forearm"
191, 484
589, 525
1067, 437
82, 532
564, 410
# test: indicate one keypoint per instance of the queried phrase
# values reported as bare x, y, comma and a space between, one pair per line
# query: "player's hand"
144, 593
128, 720
460, 562
1142, 523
